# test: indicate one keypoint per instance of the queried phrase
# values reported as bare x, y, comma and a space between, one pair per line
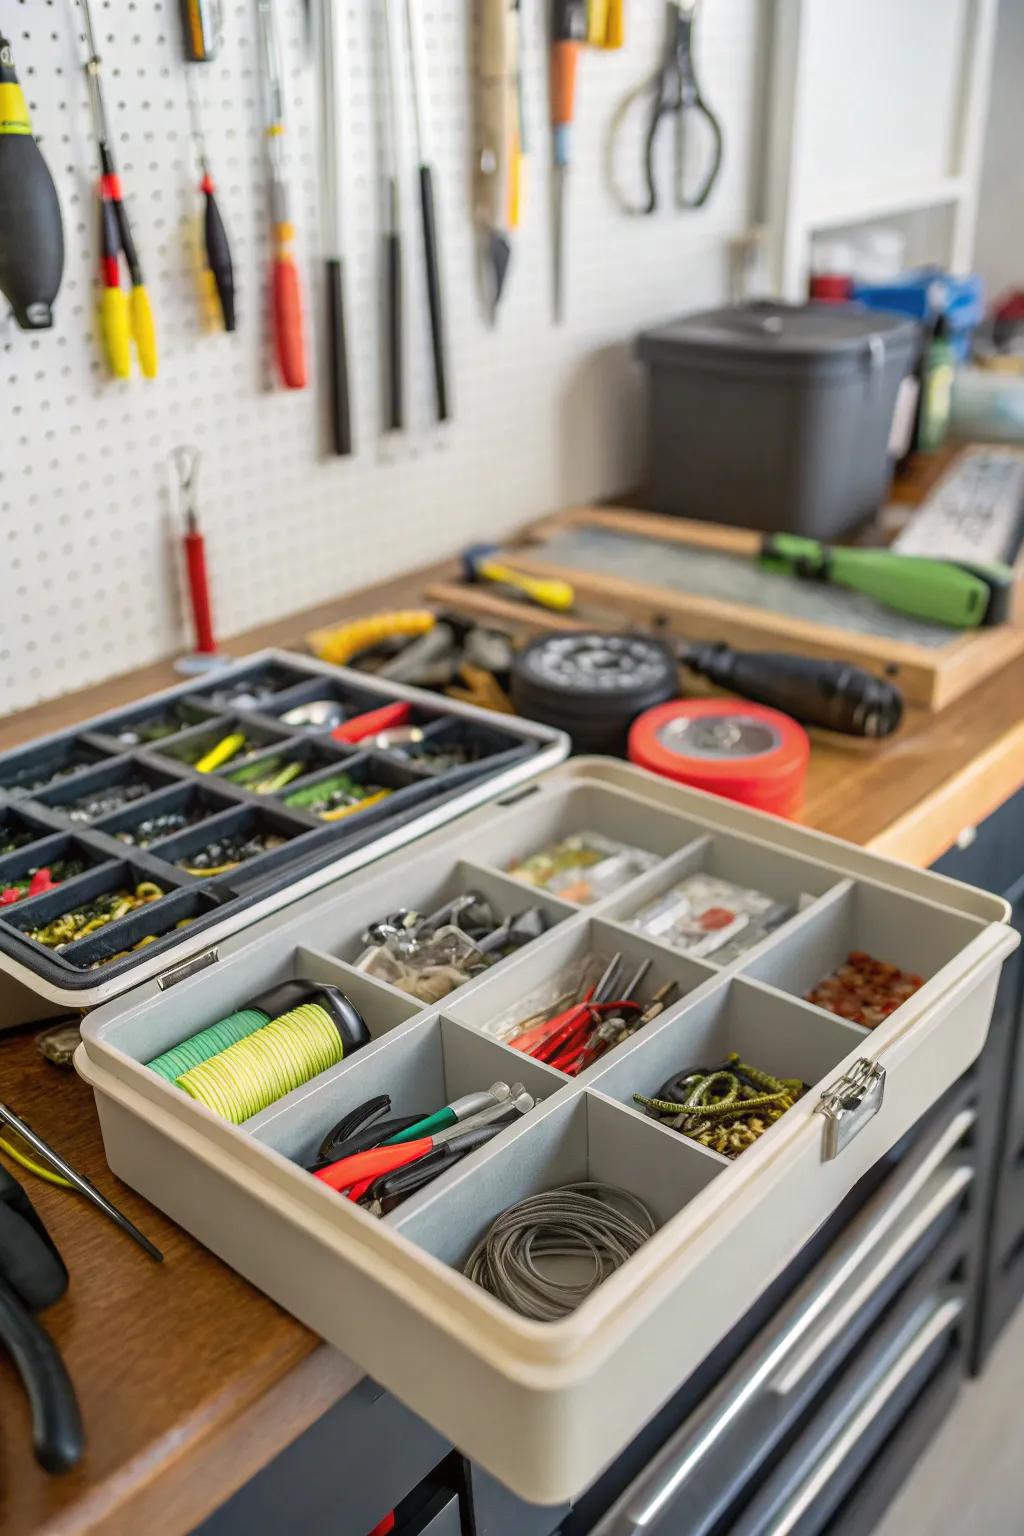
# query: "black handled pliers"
32, 1277
675, 92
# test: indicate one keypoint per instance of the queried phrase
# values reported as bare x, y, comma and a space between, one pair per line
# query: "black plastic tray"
43, 785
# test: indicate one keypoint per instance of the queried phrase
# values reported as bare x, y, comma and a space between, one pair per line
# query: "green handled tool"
467, 1108
950, 592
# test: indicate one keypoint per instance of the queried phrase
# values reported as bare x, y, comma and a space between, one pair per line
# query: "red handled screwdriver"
289, 337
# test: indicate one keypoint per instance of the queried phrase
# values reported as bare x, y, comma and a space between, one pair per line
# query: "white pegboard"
542, 417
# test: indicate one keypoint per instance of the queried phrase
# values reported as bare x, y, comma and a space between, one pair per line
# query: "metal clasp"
187, 968
849, 1104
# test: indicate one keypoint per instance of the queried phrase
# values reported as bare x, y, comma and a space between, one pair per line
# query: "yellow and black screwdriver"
31, 231
122, 319
202, 24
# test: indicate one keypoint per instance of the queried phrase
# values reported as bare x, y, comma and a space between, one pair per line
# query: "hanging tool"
289, 340
31, 231
606, 23
673, 92
185, 472
568, 34
78, 1181
499, 141
329, 13
121, 321
427, 210
216, 247
833, 694
963, 595
394, 383
202, 22
479, 563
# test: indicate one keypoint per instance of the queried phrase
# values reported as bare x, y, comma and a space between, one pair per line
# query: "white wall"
999, 249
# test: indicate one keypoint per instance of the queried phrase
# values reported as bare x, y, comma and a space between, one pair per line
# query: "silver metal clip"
849, 1104
187, 968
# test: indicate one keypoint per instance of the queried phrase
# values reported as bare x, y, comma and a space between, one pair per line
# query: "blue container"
926, 292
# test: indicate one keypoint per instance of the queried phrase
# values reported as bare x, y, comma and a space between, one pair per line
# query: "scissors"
674, 91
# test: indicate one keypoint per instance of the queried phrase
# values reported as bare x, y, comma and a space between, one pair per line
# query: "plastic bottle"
937, 374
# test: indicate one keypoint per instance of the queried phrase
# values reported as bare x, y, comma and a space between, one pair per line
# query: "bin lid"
817, 335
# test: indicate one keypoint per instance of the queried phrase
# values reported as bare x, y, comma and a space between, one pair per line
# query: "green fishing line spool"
272, 1044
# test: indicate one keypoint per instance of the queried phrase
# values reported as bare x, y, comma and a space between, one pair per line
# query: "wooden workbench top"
189, 1379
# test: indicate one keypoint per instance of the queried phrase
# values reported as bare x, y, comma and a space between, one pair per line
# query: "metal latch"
849, 1104
187, 968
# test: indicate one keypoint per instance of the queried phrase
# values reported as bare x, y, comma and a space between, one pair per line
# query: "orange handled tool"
568, 34
289, 338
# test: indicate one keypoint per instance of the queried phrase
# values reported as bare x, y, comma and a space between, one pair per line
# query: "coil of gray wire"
575, 1221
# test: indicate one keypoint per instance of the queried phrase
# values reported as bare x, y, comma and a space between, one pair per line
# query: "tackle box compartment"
124, 790
545, 1406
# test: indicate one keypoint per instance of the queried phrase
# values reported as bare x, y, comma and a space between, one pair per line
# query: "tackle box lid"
301, 853
817, 337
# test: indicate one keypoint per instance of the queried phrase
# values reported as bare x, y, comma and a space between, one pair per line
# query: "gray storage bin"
775, 416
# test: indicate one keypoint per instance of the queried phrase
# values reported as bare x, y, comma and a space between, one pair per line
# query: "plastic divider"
243, 689
190, 746
519, 830
497, 748
584, 1137
185, 796
32, 769
918, 936
155, 921
122, 731
312, 752
784, 877
116, 770
524, 982
352, 698
406, 786
421, 1067
20, 822
767, 1029
241, 820
37, 911
49, 849
430, 887
382, 1006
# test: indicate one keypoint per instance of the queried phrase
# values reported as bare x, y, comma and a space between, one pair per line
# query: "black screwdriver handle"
218, 259
433, 274
31, 229
834, 694
341, 412
393, 279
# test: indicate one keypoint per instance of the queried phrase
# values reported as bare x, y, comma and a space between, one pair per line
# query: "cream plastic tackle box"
544, 1406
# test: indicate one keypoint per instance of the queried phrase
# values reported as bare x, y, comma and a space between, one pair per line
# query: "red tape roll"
742, 751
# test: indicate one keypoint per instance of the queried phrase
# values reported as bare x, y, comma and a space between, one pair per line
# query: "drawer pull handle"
942, 1318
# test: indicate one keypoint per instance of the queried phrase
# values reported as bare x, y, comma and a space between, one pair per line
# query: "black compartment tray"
124, 795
